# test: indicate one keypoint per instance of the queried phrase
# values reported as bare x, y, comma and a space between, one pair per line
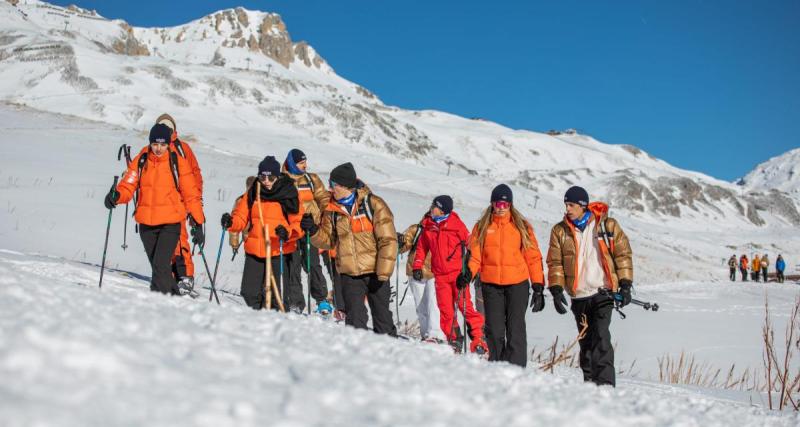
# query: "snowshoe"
324, 308
186, 287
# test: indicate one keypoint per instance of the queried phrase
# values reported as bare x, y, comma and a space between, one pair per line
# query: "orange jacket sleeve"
190, 193
295, 232
533, 257
194, 165
130, 182
240, 215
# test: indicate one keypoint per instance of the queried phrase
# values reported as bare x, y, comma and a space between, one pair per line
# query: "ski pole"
308, 271
219, 254
397, 288
235, 251
208, 272
108, 230
280, 269
125, 150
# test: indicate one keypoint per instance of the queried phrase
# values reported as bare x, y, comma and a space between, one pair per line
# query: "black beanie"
269, 167
577, 195
344, 175
502, 193
297, 155
160, 133
443, 202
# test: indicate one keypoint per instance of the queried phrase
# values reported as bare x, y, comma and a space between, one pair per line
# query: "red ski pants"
446, 295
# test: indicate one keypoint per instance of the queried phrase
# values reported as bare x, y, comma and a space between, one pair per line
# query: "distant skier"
732, 266
743, 268
764, 267
504, 251
167, 190
315, 198
755, 268
182, 264
423, 286
780, 265
271, 202
589, 251
360, 226
445, 236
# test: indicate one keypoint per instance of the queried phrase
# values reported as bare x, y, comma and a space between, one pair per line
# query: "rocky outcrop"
127, 44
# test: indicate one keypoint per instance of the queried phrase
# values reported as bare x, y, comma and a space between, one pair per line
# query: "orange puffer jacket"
245, 215
502, 259
160, 202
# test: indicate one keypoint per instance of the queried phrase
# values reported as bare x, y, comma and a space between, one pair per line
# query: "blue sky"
712, 86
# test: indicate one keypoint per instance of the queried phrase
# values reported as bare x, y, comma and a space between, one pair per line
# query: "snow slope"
71, 354
779, 173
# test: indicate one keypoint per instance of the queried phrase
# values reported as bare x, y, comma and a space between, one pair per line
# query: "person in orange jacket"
166, 192
755, 267
272, 202
505, 252
182, 264
743, 263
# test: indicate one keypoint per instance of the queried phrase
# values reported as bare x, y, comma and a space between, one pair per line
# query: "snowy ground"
72, 354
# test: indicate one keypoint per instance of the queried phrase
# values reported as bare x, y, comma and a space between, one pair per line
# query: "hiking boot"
324, 308
186, 287
479, 347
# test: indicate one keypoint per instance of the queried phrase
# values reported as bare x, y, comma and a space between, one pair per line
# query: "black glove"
282, 233
401, 239
111, 199
198, 237
537, 298
417, 275
226, 221
307, 224
559, 301
463, 279
625, 286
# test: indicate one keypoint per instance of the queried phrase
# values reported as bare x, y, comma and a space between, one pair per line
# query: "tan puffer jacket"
362, 246
313, 194
562, 260
408, 240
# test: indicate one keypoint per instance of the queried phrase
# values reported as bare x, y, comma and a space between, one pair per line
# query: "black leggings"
159, 244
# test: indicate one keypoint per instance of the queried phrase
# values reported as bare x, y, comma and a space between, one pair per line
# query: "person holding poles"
590, 255
166, 192
360, 227
271, 211
505, 252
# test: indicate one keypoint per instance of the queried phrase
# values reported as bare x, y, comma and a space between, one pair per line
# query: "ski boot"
186, 287
479, 347
324, 308
457, 344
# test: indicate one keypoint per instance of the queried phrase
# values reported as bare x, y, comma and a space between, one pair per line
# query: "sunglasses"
268, 178
501, 205
331, 183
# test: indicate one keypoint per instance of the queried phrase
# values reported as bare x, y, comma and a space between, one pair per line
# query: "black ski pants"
505, 307
764, 273
159, 243
733, 274
596, 350
253, 290
354, 289
780, 276
744, 274
319, 289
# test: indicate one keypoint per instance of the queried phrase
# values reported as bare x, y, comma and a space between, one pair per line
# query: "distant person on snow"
167, 190
182, 264
755, 268
504, 251
780, 265
764, 267
732, 266
360, 227
272, 203
589, 251
445, 236
314, 197
743, 267
423, 287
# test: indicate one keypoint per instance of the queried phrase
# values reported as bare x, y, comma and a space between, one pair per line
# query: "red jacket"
443, 240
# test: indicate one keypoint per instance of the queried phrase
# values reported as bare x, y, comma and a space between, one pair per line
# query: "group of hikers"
287, 218
757, 268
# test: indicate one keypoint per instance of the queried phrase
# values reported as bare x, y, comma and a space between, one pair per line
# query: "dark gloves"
307, 225
559, 301
401, 239
227, 221
198, 237
625, 286
111, 199
463, 279
417, 275
537, 298
282, 233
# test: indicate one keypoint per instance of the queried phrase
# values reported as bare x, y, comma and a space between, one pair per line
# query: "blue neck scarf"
439, 219
348, 201
291, 166
582, 221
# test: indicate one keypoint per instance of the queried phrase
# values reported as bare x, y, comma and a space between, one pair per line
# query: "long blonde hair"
516, 217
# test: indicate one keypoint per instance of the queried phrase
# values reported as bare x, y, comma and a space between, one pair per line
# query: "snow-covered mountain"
236, 81
780, 173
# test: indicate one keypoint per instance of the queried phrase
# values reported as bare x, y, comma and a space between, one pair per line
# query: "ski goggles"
501, 204
268, 178
332, 183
